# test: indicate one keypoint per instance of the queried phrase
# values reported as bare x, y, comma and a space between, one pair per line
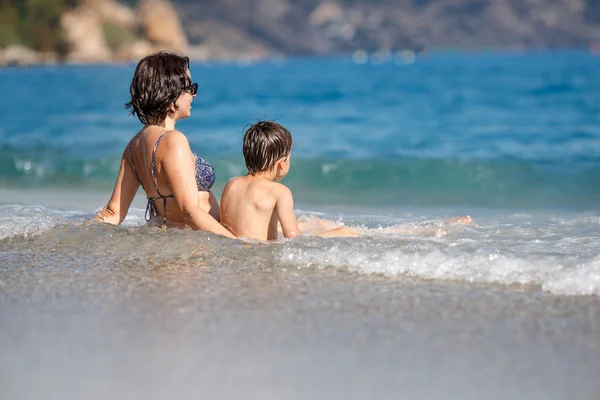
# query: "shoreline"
375, 56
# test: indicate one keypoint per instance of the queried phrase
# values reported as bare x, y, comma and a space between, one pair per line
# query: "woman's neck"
168, 124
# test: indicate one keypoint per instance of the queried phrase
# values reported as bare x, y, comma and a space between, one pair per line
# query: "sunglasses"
193, 89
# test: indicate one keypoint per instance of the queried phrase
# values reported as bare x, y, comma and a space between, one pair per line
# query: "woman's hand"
123, 193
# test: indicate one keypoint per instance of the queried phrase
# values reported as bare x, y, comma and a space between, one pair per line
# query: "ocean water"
391, 149
511, 139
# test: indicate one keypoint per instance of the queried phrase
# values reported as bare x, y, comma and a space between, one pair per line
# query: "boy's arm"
223, 217
285, 211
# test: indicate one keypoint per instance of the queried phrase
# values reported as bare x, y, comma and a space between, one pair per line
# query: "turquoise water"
495, 130
391, 149
505, 308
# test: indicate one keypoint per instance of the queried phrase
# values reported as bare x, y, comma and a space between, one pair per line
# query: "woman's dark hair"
265, 142
157, 82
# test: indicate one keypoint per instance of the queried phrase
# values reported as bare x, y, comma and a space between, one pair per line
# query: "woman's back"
159, 158
141, 150
148, 153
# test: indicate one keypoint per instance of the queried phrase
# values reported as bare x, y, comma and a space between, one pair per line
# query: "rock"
135, 51
199, 53
162, 26
49, 58
84, 34
116, 13
576, 5
222, 41
356, 17
327, 12
274, 9
20, 55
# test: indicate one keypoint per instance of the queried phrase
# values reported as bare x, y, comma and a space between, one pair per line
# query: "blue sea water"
513, 139
504, 308
496, 130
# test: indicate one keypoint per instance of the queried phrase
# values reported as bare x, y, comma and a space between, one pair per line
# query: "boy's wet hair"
157, 82
265, 142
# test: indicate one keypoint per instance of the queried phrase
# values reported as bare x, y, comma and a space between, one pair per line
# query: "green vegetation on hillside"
33, 23
116, 35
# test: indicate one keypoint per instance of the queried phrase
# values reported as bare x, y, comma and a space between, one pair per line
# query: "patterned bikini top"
205, 179
205, 174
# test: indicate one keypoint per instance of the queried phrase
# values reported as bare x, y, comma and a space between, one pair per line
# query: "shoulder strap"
133, 163
153, 165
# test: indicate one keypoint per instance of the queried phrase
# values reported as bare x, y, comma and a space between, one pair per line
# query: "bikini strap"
164, 226
133, 163
152, 170
151, 210
153, 164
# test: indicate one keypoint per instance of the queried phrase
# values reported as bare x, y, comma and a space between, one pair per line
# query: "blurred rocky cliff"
330, 26
87, 31
109, 30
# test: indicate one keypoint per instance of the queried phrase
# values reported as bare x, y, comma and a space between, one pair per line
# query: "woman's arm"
178, 166
125, 189
213, 203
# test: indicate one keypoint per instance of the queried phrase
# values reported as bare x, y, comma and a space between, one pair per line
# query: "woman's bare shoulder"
175, 143
175, 137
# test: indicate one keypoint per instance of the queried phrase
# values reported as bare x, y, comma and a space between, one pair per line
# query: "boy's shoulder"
251, 183
281, 190
234, 179
272, 185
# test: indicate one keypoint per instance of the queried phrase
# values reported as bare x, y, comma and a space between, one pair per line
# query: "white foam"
31, 220
27, 220
554, 273
135, 217
558, 254
584, 279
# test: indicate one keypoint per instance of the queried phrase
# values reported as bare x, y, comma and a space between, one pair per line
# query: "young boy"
252, 205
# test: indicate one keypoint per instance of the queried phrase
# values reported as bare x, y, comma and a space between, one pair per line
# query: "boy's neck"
266, 175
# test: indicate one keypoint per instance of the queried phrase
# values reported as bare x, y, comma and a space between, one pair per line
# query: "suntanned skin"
253, 205
175, 174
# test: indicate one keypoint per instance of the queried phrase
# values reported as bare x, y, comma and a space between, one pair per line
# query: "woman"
176, 181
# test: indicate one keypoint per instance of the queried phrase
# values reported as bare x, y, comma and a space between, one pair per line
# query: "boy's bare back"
253, 205
249, 206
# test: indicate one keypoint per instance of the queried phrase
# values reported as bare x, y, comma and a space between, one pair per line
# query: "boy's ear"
279, 162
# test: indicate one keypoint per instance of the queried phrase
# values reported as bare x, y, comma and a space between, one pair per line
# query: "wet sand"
250, 328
